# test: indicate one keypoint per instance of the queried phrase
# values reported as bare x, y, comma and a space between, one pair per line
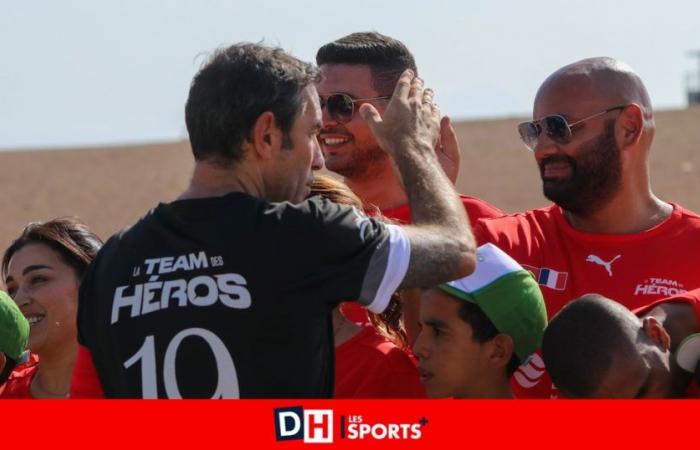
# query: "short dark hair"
387, 57
580, 341
67, 236
236, 85
483, 330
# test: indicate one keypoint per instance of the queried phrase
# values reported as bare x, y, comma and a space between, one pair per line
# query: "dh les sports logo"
314, 426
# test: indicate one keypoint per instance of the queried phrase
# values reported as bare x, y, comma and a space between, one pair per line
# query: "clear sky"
90, 72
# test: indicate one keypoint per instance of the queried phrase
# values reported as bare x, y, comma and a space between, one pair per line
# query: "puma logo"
596, 260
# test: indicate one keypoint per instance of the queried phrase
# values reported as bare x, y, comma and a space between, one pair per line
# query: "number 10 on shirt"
227, 385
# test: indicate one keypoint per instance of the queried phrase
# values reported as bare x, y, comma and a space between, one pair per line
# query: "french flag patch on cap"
549, 277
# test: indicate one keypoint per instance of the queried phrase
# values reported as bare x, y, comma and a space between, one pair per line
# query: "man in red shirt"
596, 348
363, 68
606, 231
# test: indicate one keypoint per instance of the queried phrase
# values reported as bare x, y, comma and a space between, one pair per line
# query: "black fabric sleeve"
337, 251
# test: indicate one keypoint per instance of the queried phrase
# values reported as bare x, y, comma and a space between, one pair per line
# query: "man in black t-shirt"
227, 292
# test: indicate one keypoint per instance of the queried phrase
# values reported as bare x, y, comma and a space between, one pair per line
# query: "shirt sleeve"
479, 209
386, 270
481, 235
339, 253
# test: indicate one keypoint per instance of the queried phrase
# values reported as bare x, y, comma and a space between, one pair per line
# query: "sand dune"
110, 188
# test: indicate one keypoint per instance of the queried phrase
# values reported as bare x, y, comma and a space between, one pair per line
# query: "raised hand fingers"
434, 108
416, 90
410, 119
403, 86
448, 136
428, 95
447, 150
370, 114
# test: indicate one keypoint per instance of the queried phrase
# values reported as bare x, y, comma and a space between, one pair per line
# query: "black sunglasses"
341, 107
555, 126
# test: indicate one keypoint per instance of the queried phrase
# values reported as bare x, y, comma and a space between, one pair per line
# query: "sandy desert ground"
110, 188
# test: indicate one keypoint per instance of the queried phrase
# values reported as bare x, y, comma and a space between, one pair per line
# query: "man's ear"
630, 124
653, 328
266, 136
501, 350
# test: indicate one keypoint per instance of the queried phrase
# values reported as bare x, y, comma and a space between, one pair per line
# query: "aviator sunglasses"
341, 107
555, 127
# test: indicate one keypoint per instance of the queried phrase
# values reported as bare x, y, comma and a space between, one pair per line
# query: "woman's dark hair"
389, 323
67, 236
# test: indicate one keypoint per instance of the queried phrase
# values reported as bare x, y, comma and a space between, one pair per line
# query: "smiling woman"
42, 269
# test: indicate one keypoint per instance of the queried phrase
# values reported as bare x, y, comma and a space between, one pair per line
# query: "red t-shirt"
693, 299
476, 209
19, 384
369, 366
633, 269
85, 383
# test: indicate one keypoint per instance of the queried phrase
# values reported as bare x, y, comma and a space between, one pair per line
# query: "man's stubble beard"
364, 164
596, 175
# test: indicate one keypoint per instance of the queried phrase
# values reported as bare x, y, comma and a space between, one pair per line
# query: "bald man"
596, 348
606, 232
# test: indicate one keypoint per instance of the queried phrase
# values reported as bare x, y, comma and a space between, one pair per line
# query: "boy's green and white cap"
509, 296
14, 329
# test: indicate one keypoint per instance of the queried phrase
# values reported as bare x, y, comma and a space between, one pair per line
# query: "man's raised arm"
442, 244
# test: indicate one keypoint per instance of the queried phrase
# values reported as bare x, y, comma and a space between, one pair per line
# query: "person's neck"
381, 189
53, 377
492, 387
626, 213
212, 180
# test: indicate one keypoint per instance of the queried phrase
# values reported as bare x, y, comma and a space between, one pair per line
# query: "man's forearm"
441, 228
430, 193
442, 245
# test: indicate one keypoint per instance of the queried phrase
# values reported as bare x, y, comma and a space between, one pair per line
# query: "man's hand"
442, 244
411, 121
447, 150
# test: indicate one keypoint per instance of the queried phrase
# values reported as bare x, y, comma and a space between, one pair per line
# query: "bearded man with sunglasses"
363, 68
606, 232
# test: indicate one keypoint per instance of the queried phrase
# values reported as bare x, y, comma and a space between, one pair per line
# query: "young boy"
477, 330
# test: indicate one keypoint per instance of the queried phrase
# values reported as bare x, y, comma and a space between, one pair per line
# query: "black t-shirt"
231, 296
